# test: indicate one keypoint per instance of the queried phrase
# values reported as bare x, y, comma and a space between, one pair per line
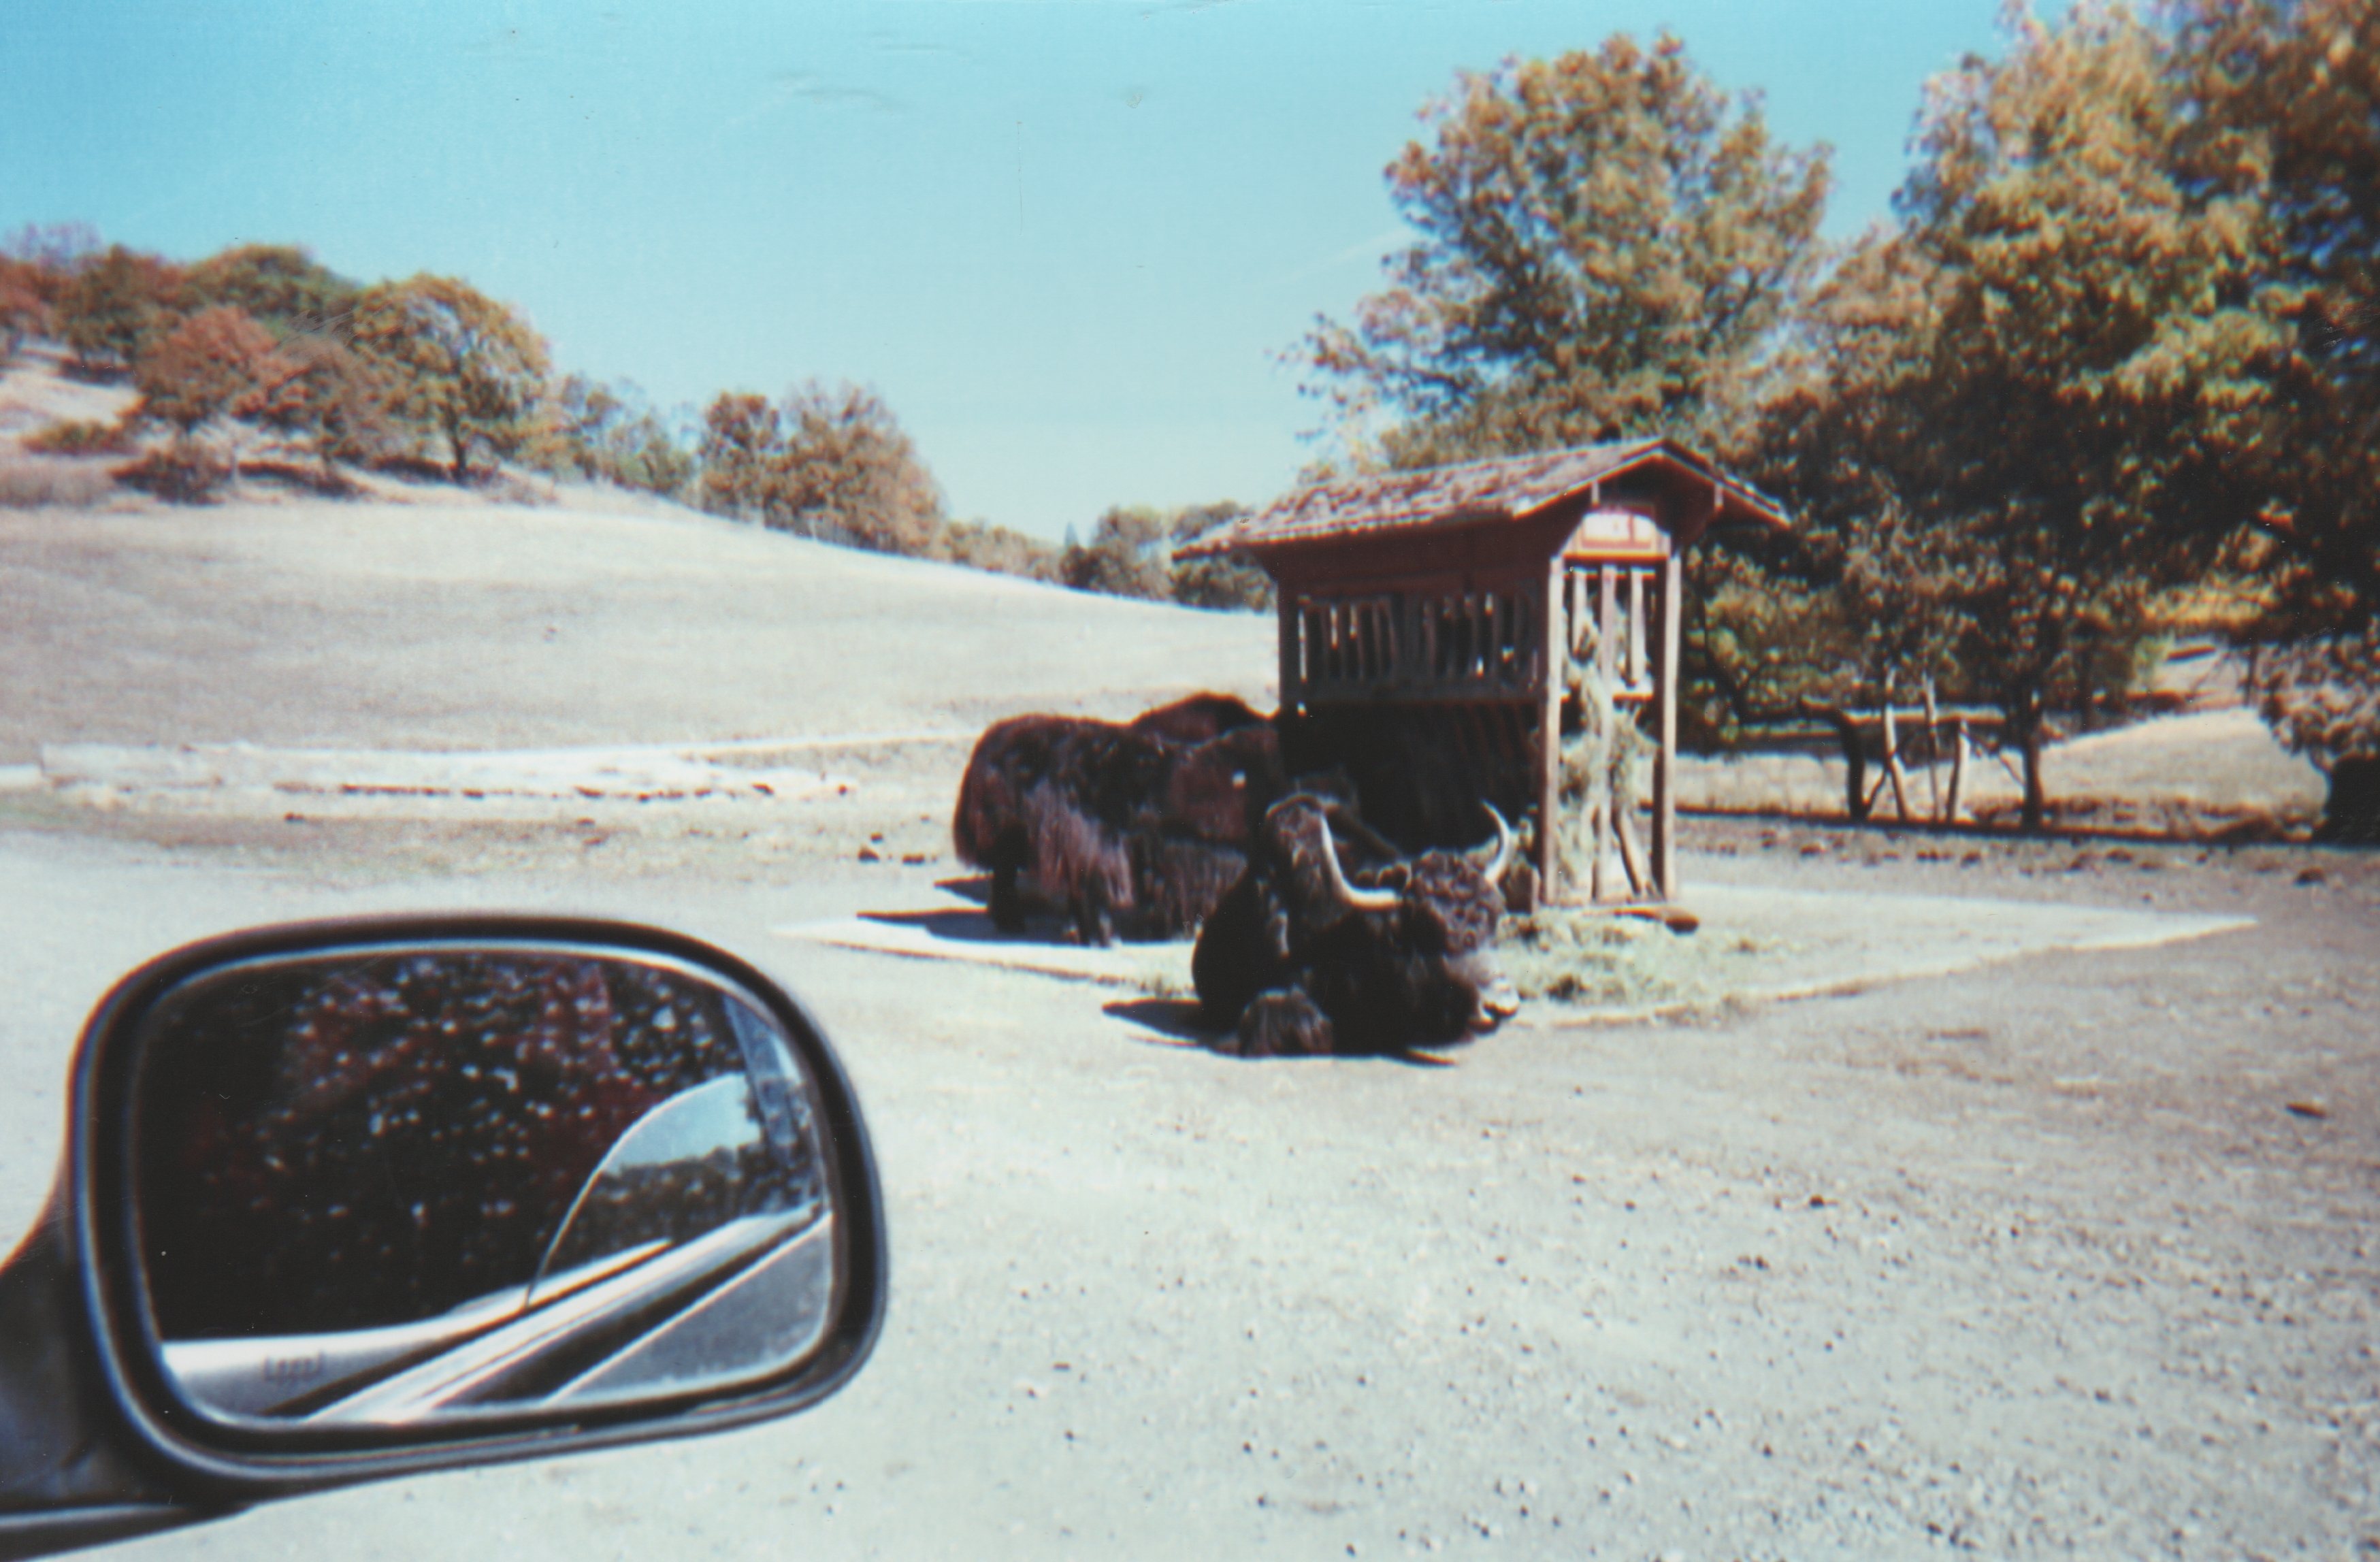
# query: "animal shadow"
1175, 1018
967, 927
975, 887
1176, 1021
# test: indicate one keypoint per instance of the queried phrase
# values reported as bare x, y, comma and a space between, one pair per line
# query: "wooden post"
1954, 807
1603, 798
1665, 762
1607, 621
1553, 634
1636, 627
1291, 611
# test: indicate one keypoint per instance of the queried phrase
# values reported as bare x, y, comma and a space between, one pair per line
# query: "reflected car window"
378, 1141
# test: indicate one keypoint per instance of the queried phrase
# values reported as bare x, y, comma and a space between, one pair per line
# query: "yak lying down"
1131, 831
1303, 956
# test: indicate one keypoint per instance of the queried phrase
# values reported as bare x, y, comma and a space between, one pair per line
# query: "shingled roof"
1505, 489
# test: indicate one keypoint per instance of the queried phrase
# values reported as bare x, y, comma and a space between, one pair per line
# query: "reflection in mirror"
389, 1185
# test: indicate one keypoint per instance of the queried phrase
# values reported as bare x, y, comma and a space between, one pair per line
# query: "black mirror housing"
351, 1200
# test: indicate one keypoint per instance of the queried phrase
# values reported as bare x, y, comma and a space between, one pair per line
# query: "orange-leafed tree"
23, 311
117, 307
211, 362
460, 366
830, 463
743, 444
329, 398
212, 365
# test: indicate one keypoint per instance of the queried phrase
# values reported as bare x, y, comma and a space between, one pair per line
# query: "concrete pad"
1813, 942
1753, 945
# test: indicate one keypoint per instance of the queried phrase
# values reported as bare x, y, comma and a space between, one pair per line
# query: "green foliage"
1000, 549
2286, 101
280, 286
1129, 556
23, 309
607, 433
1607, 243
1232, 581
75, 436
2321, 695
1765, 631
113, 308
2012, 450
832, 463
458, 365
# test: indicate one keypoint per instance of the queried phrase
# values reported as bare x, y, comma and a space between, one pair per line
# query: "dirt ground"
2065, 1254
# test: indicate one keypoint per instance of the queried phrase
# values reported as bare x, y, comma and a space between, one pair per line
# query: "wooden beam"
1607, 626
1665, 762
1605, 796
1292, 609
1636, 627
1554, 634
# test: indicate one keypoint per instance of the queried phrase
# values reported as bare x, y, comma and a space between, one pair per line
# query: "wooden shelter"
1438, 593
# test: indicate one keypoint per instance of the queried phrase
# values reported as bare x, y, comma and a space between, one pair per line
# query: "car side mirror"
357, 1200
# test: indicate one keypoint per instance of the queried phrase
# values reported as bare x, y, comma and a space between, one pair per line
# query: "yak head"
1401, 953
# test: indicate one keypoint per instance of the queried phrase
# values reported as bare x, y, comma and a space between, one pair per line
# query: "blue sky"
1066, 240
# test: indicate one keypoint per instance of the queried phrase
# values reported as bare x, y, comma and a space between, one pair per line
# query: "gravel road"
2066, 1256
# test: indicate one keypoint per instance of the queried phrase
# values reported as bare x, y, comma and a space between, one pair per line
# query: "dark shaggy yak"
1196, 719
1132, 831
1303, 956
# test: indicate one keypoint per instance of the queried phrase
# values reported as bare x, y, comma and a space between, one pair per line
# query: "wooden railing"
1611, 610
1433, 643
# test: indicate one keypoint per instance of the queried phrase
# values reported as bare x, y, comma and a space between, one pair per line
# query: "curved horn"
1346, 893
1494, 866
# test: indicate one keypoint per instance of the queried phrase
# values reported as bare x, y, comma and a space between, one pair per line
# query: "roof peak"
1487, 490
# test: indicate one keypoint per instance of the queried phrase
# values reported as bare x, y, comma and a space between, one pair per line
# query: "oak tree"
832, 463
115, 308
330, 398
213, 366
1229, 580
852, 475
1606, 241
607, 433
2035, 375
1128, 555
459, 365
742, 443
280, 286
2286, 101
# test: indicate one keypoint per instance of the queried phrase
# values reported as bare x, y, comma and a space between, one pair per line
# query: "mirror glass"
390, 1186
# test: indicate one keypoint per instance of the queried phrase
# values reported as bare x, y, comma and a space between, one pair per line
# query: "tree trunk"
1855, 798
1932, 753
1954, 806
2350, 815
2030, 724
1897, 773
